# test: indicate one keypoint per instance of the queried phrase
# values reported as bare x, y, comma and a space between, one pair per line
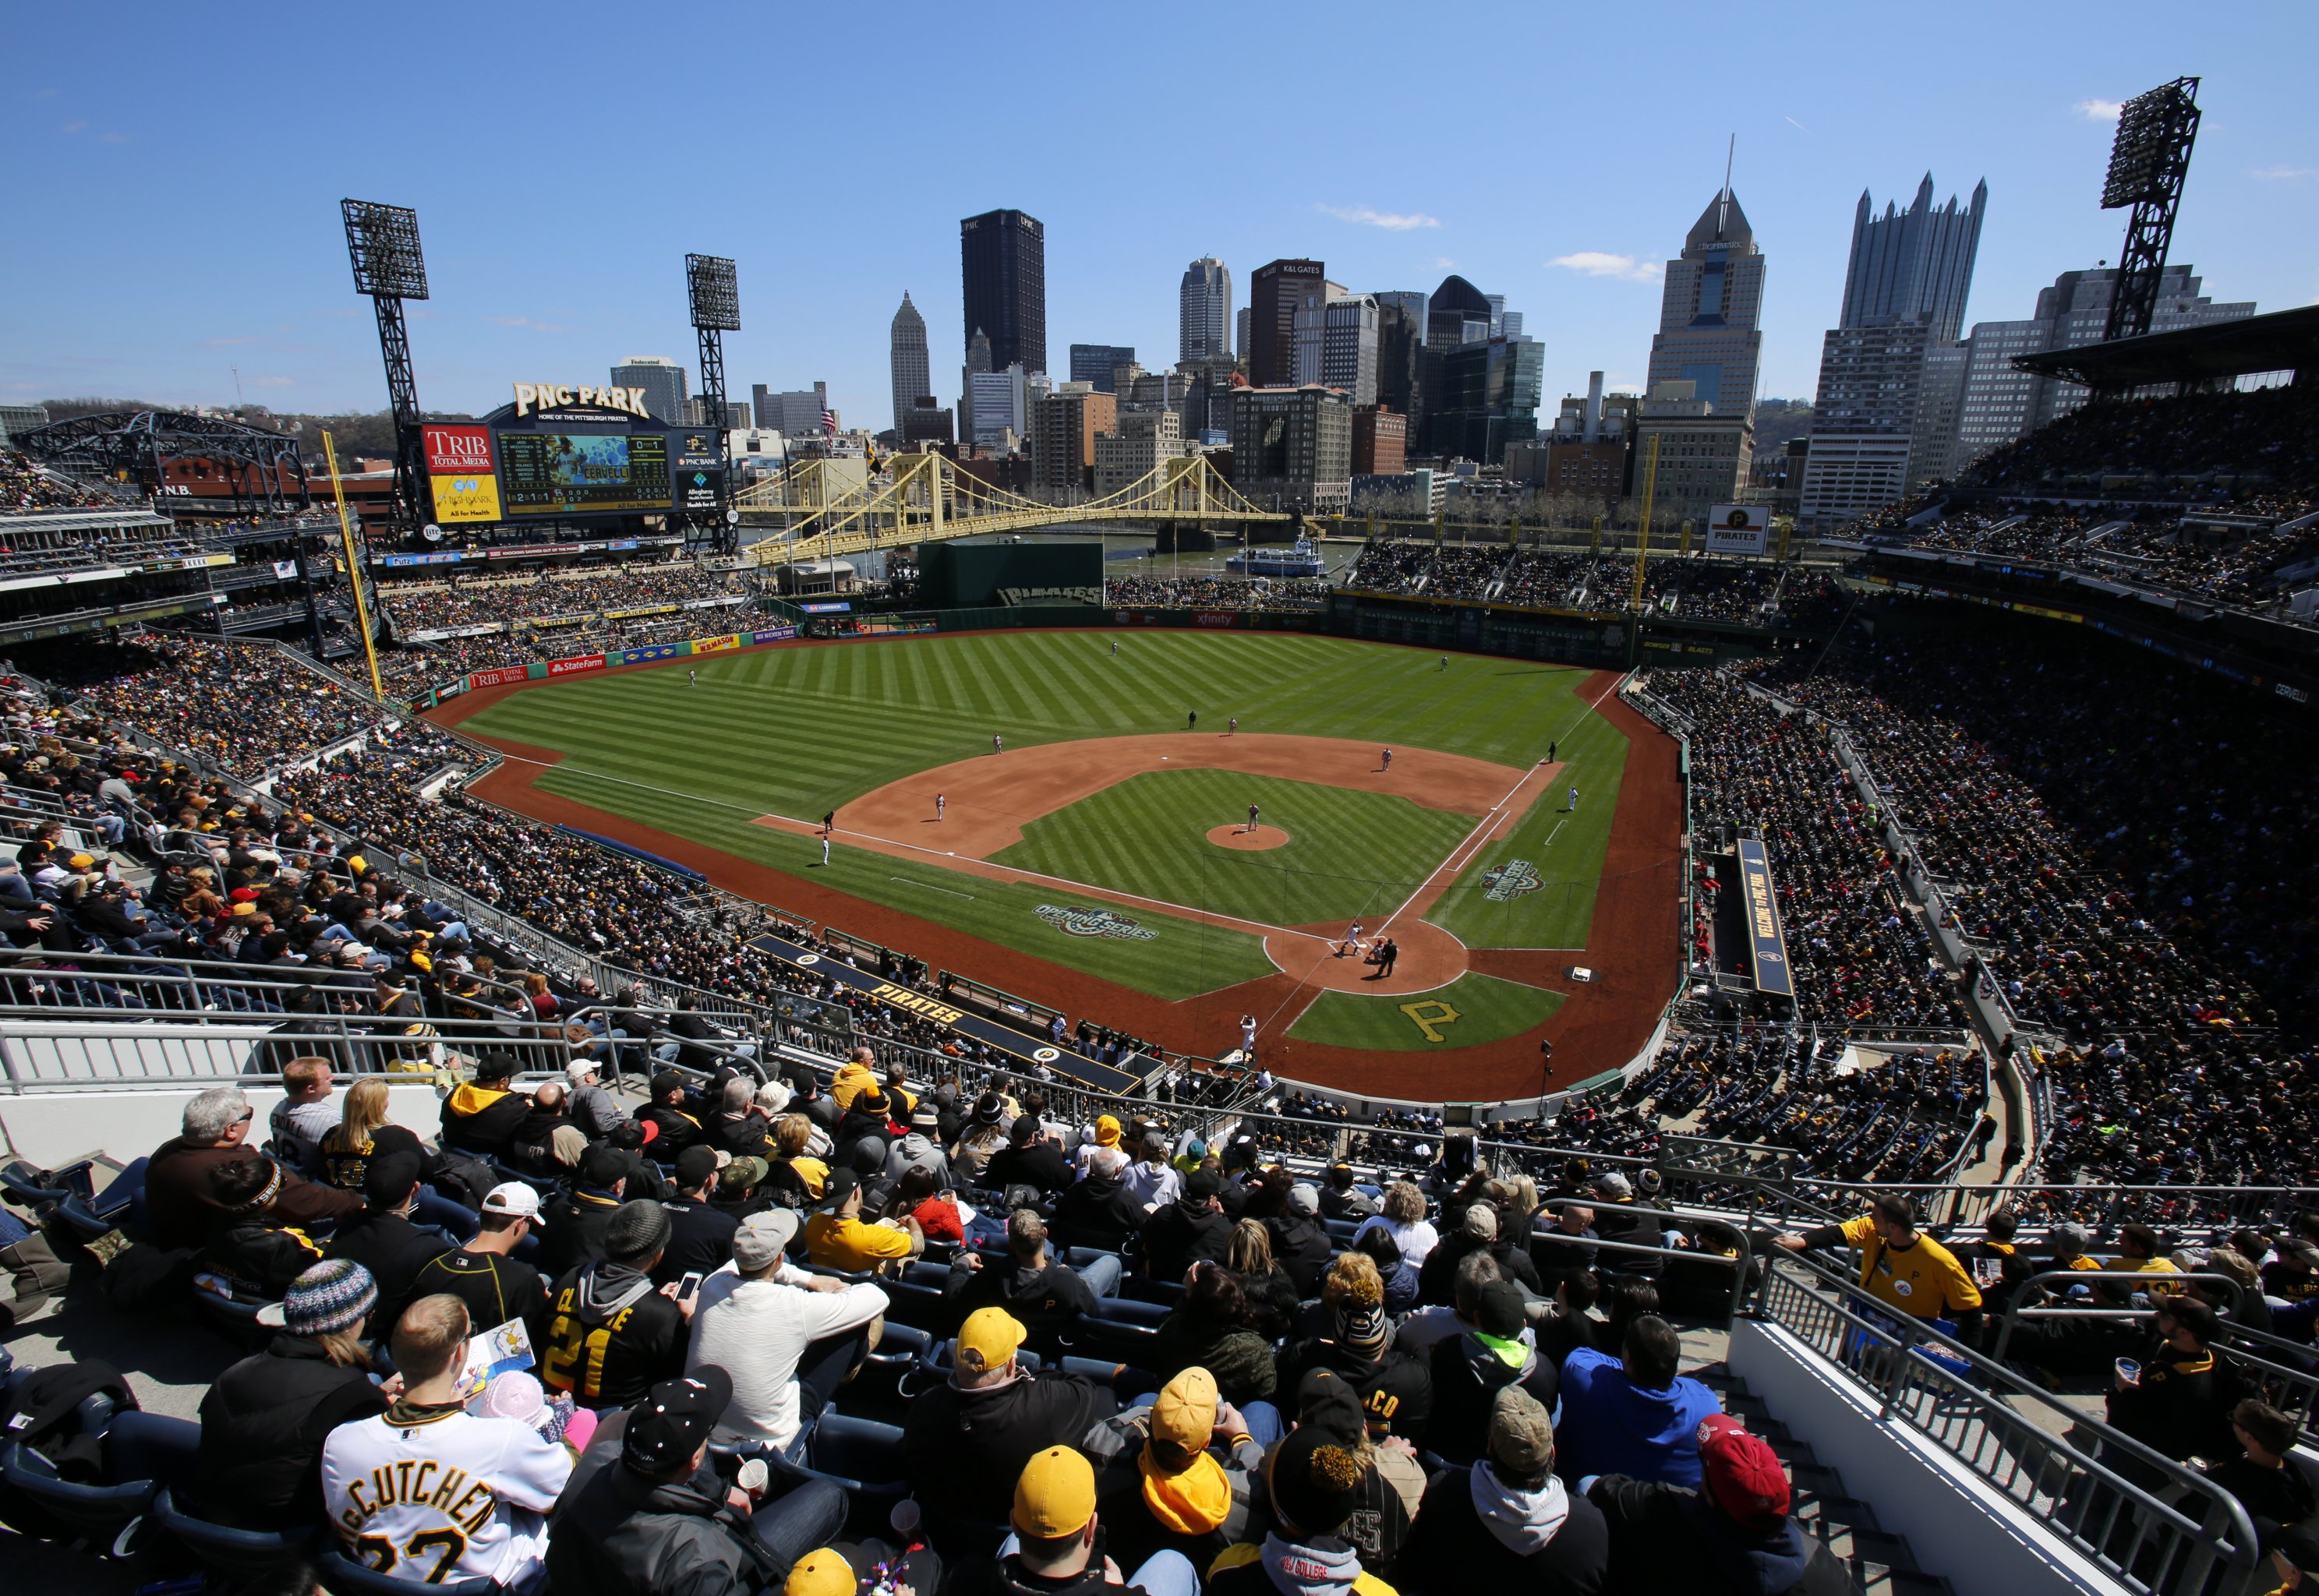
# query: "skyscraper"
1457, 313
1274, 291
1093, 364
662, 380
1003, 265
1914, 265
1348, 346
1203, 310
1876, 430
1710, 311
913, 371
1400, 357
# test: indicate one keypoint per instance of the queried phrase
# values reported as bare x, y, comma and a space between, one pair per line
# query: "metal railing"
1949, 1203
2150, 1523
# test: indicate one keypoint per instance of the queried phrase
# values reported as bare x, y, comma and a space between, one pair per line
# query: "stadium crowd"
25, 487
431, 603
2157, 929
1218, 592
1673, 585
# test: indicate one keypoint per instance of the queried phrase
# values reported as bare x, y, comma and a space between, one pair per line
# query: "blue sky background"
173, 186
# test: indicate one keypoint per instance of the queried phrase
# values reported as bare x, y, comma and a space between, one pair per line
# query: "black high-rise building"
1270, 346
1003, 265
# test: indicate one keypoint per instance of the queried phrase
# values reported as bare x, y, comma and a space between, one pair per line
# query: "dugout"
970, 575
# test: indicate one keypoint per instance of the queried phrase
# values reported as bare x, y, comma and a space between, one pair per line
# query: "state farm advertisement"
574, 665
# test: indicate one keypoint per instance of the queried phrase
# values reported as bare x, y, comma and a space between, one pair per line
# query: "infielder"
824, 847
939, 801
998, 743
1232, 726
1388, 758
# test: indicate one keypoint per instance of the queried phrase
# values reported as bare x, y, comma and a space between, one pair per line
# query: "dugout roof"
2284, 340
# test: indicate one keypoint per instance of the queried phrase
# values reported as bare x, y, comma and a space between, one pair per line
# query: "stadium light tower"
715, 293
383, 243
2147, 165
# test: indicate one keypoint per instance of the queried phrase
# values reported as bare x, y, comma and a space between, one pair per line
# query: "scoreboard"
568, 453
563, 473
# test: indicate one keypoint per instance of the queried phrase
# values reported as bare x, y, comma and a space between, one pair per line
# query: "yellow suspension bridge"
829, 508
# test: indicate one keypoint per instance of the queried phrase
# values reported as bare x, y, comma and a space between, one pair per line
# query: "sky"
173, 186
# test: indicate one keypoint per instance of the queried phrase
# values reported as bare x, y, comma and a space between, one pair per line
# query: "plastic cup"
753, 1477
2129, 1372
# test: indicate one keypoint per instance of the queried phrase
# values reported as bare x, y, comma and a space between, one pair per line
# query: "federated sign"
1766, 943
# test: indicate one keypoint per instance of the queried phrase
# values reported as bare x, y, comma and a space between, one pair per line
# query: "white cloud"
2284, 174
267, 383
526, 321
1392, 222
2099, 110
1445, 263
1599, 263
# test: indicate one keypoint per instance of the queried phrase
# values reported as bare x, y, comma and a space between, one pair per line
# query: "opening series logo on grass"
1095, 922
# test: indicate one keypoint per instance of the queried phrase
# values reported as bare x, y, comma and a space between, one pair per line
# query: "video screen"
543, 472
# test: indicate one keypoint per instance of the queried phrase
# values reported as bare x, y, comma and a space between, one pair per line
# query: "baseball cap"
1303, 1199
1501, 1312
840, 1185
600, 1165
742, 1173
387, 1181
580, 1068
1202, 1184
512, 1197
81, 862
1315, 1482
1521, 1433
1741, 1473
1184, 1413
667, 1427
695, 1164
1481, 1222
763, 1238
990, 1338
825, 1573
665, 1081
1055, 1495
1613, 1185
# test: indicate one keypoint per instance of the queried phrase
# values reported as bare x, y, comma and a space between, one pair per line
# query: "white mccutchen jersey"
450, 1497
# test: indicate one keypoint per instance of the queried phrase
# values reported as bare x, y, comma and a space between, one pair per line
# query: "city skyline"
513, 301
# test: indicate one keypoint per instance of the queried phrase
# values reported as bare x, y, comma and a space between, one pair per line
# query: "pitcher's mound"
1247, 841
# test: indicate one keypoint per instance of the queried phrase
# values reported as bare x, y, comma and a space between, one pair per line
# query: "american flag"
829, 422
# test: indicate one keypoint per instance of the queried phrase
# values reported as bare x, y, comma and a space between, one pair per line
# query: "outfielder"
1573, 800
692, 678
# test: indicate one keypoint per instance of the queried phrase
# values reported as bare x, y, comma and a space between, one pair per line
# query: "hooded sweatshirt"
1469, 1369
1322, 1566
1615, 1426
1665, 1538
1475, 1532
610, 1336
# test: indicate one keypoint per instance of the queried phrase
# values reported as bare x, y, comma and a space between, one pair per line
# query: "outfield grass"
1349, 853
1562, 850
801, 730
1484, 1009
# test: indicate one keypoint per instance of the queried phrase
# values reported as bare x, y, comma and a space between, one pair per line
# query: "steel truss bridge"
833, 508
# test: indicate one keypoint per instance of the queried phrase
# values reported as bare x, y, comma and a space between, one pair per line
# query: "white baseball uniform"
451, 1498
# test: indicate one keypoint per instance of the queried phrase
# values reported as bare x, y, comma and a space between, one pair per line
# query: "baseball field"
1067, 814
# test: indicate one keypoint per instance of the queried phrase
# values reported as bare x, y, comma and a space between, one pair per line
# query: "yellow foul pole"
1643, 536
354, 567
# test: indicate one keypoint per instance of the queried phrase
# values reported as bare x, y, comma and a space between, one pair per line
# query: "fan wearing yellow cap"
964, 1443
1176, 1475
1054, 1549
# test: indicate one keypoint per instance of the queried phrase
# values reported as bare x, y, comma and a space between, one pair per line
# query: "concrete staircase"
1881, 1562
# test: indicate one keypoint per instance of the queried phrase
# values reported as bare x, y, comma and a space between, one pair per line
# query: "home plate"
1579, 972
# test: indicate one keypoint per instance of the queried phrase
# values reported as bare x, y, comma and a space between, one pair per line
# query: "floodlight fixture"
716, 293
2152, 146
383, 243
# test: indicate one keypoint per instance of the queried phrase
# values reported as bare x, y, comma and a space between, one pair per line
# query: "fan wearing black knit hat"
1315, 1484
610, 1335
381, 1237
571, 1226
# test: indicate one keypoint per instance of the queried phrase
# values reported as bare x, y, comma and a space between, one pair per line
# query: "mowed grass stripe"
1564, 849
1468, 1011
798, 731
1348, 850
